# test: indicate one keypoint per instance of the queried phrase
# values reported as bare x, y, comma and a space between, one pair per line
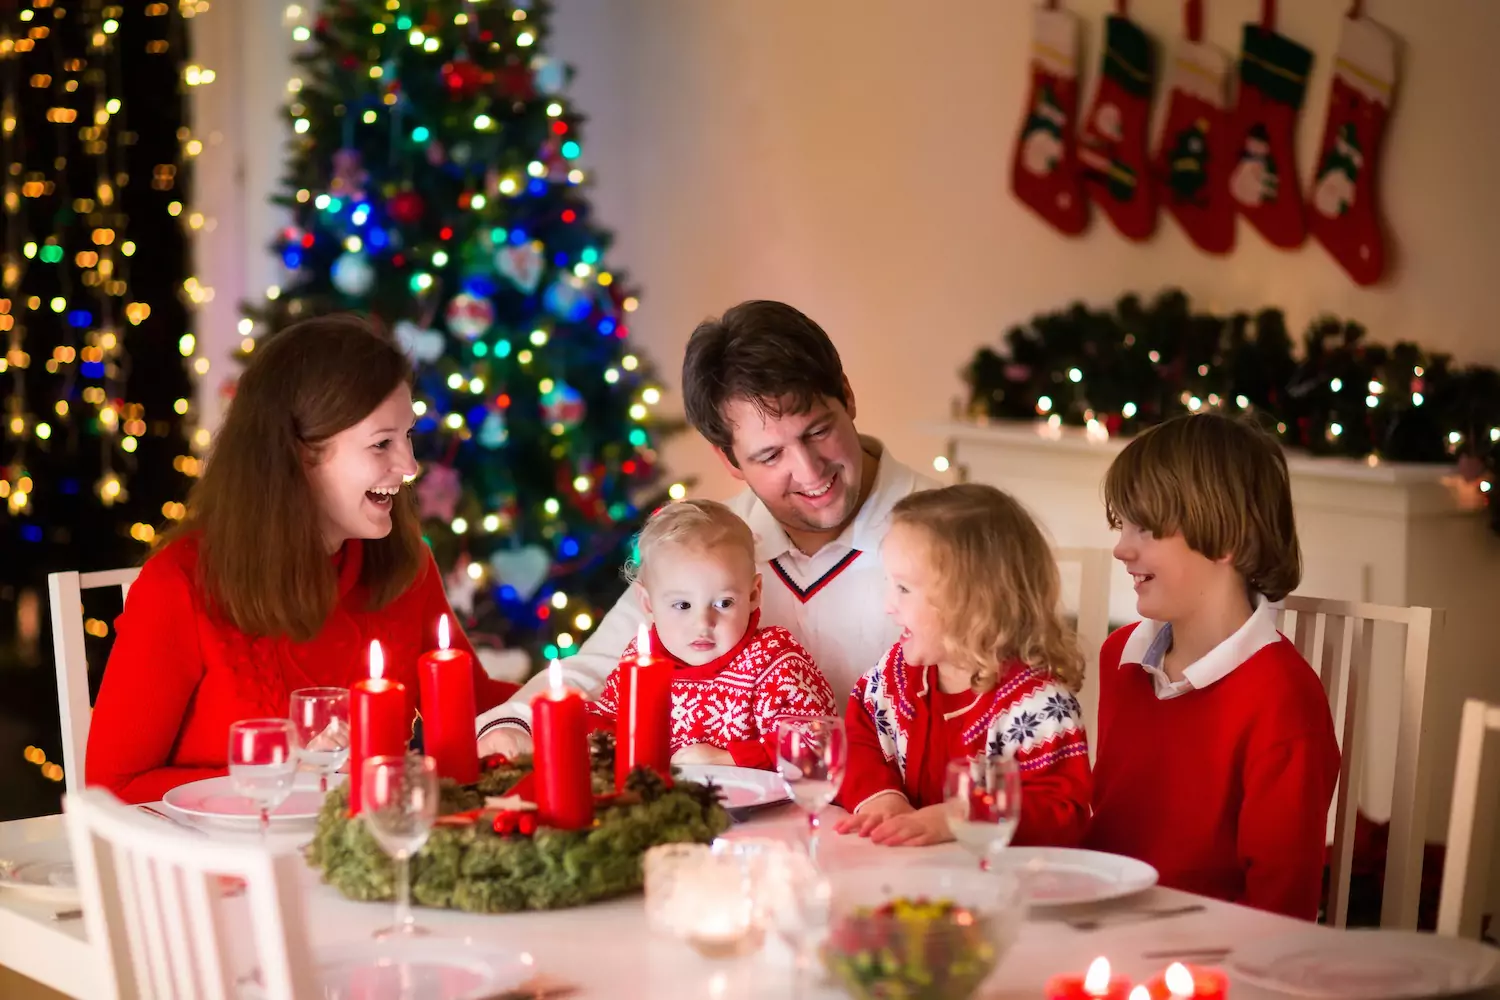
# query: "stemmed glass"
982, 799
799, 902
263, 763
811, 754
321, 718
400, 805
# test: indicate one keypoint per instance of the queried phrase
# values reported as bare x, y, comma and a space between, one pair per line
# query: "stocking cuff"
1127, 56
1274, 65
1366, 59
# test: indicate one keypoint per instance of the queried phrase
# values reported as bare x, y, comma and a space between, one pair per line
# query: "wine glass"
798, 899
400, 805
321, 718
982, 799
263, 763
811, 754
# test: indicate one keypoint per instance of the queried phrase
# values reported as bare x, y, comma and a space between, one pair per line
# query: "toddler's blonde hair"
698, 524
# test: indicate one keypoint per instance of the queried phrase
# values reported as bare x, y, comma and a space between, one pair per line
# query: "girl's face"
356, 474
912, 595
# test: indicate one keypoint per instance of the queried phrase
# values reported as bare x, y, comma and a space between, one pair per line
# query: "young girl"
300, 546
732, 680
984, 665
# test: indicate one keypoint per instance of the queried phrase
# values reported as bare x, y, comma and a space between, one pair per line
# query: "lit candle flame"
377, 660
555, 678
1179, 980
1140, 993
643, 645
442, 632
1096, 980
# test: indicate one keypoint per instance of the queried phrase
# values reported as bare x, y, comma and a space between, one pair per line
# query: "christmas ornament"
349, 175
568, 298
436, 154
1044, 170
1343, 198
406, 208
438, 492
353, 274
551, 75
515, 82
563, 405
1192, 160
523, 570
522, 265
464, 79
1273, 80
469, 315
1112, 149
421, 345
493, 433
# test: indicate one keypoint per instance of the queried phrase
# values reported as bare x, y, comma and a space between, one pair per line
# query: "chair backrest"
153, 904
1471, 821
65, 593
1337, 637
1092, 607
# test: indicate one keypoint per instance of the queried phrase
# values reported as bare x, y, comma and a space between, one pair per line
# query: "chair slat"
1471, 821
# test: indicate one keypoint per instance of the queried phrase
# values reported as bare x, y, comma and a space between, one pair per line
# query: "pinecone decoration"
602, 750
646, 783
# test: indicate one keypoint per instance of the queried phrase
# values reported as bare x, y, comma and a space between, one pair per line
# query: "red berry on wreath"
495, 760
526, 825
505, 824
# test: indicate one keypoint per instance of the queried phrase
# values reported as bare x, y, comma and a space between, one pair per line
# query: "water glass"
811, 755
263, 763
400, 806
321, 718
982, 799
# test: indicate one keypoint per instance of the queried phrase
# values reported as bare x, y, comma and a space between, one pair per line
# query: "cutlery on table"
1116, 919
1202, 953
62, 915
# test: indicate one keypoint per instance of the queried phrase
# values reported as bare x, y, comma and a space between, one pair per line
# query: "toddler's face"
700, 598
912, 593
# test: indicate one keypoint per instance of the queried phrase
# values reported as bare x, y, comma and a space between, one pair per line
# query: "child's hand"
875, 812
702, 753
511, 741
913, 829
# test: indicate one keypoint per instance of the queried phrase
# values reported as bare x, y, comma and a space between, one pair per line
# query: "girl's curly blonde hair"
998, 584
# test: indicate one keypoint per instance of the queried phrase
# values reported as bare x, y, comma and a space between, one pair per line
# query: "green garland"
471, 867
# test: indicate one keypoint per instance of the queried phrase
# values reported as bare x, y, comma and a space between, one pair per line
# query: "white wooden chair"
1471, 822
153, 905
65, 593
1092, 608
1336, 637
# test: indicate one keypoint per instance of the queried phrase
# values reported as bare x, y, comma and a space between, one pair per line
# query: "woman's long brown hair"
262, 558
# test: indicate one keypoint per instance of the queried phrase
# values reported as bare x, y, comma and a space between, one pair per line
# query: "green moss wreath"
467, 865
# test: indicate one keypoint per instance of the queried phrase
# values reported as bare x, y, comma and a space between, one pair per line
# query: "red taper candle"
446, 679
564, 788
379, 721
643, 729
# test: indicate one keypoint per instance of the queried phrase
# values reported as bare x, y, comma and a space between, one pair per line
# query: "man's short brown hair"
765, 352
1222, 483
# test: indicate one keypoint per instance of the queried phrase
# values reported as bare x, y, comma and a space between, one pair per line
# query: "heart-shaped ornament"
418, 344
525, 569
522, 265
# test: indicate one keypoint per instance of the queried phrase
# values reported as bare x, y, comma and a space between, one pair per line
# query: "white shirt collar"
892, 482
1146, 645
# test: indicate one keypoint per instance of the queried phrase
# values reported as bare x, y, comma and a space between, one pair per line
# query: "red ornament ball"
406, 208
464, 79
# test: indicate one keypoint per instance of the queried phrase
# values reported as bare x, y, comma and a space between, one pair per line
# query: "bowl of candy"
920, 933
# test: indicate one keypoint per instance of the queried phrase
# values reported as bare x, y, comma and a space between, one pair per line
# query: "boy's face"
1172, 581
700, 598
912, 595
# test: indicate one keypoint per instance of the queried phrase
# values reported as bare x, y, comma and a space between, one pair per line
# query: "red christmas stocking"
1263, 179
1191, 170
1044, 172
1113, 146
1342, 207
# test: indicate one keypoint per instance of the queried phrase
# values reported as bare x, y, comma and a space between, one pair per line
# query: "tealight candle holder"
1188, 982
1096, 984
667, 868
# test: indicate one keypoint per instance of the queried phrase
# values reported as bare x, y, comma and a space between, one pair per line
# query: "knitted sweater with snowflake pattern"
734, 701
903, 731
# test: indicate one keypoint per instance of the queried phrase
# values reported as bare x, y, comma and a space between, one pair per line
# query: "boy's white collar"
1258, 632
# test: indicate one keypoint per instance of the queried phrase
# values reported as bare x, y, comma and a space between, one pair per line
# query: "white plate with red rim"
1063, 876
1371, 964
434, 968
745, 788
42, 871
214, 801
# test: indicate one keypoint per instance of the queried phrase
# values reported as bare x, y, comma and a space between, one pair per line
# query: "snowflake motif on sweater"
735, 708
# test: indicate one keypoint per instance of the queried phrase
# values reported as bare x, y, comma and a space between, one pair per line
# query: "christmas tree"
95, 388
435, 184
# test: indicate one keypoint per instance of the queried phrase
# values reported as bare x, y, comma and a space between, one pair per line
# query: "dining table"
607, 949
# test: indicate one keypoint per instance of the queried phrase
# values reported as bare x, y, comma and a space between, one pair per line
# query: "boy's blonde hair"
699, 524
1222, 483
997, 579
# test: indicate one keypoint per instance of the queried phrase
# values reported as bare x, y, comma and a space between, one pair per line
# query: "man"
765, 386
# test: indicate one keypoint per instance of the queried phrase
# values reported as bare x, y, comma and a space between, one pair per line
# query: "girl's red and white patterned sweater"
903, 731
734, 701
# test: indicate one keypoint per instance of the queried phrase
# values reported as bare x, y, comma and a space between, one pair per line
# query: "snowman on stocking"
1044, 170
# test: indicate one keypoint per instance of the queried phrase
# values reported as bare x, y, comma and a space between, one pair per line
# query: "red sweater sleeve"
793, 686
602, 710
1055, 803
869, 773
1283, 823
152, 675
434, 603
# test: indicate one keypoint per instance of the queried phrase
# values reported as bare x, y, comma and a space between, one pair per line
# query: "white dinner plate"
433, 968
42, 871
1061, 876
214, 801
745, 788
1369, 964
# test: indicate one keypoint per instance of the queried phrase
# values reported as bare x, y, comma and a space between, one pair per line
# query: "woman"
300, 546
